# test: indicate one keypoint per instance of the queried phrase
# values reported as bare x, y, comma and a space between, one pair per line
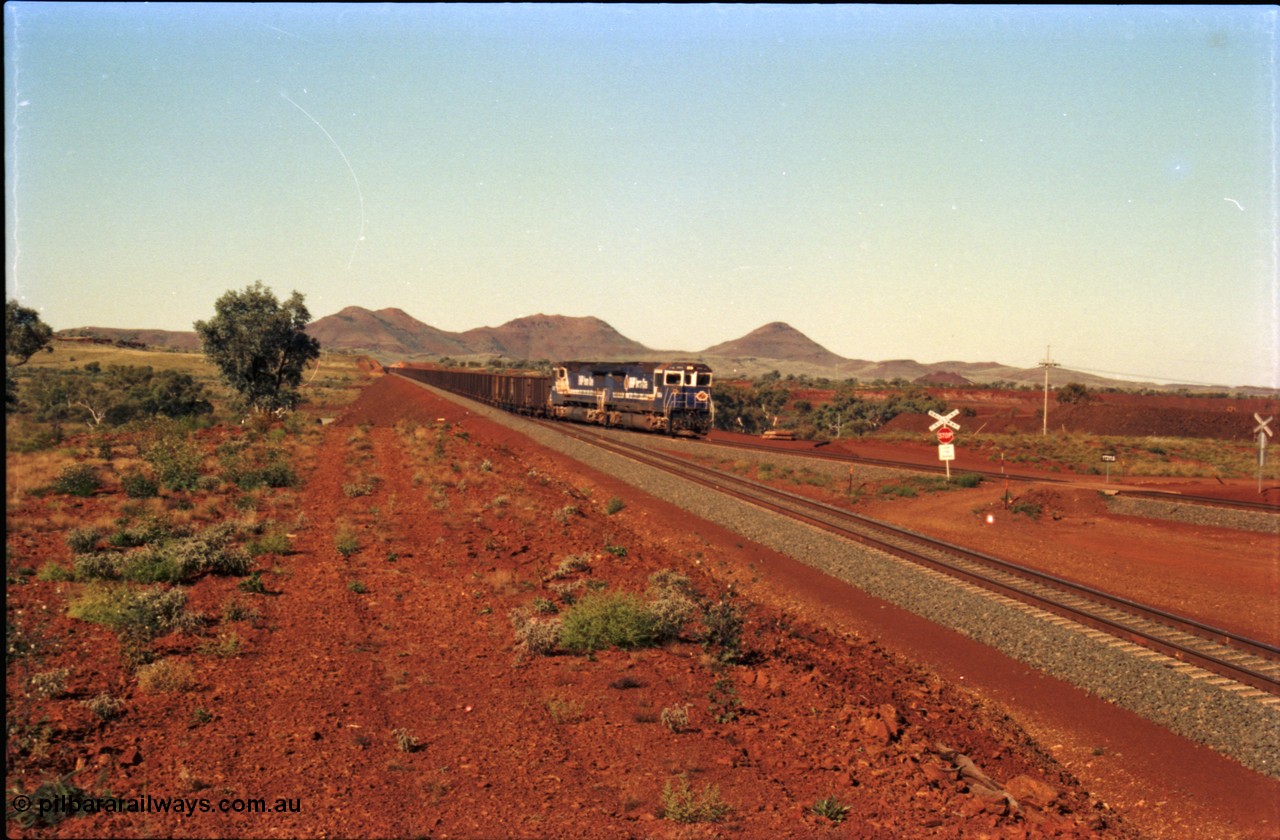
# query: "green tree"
24, 336
260, 345
24, 333
1074, 393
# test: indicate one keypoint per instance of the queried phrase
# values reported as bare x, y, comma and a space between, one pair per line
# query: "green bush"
78, 480
151, 565
96, 567
614, 505
831, 809
270, 544
55, 573
722, 633
137, 616
83, 540
138, 486
680, 804
608, 619
176, 460
346, 542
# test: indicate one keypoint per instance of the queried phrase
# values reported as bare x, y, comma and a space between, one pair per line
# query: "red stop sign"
945, 435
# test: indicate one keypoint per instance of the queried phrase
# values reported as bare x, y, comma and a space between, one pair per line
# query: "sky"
936, 182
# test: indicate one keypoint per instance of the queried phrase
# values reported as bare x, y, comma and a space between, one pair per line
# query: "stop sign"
945, 435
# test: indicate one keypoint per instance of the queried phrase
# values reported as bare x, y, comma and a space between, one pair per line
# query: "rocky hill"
392, 335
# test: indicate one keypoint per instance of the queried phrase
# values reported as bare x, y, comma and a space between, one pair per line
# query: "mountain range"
391, 335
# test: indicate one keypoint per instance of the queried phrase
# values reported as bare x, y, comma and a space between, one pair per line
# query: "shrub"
234, 609
83, 540
539, 636
149, 612
671, 612
614, 505
357, 587
666, 581
59, 790
967, 480
175, 460
681, 804
604, 620
723, 699
78, 480
722, 630
570, 565
50, 683
270, 544
1031, 509
95, 567
252, 584
55, 573
564, 711
357, 489
676, 718
138, 486
104, 706
831, 809
151, 565
166, 675
405, 741
226, 646
346, 542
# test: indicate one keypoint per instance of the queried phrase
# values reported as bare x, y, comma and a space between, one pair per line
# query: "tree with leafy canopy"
24, 333
1074, 393
24, 336
260, 345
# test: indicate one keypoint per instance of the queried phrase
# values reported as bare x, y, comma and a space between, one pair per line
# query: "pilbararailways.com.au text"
148, 804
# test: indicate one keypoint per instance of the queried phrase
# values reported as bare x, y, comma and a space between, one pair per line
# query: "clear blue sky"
936, 183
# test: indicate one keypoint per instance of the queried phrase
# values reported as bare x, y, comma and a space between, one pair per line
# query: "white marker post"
1109, 459
946, 430
1263, 432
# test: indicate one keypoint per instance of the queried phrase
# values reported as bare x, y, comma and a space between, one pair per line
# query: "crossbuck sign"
945, 420
1263, 431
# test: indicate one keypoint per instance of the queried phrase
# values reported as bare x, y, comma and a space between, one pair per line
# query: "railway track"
1249, 662
1235, 504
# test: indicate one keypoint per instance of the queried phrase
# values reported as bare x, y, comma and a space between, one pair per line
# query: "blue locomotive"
669, 397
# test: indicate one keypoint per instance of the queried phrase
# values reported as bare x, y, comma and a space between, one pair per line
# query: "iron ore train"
671, 398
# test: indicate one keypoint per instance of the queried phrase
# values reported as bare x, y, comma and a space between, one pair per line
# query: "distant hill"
391, 335
171, 339
554, 337
777, 341
387, 332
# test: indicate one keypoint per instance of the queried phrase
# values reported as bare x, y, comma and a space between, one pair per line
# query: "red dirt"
843, 695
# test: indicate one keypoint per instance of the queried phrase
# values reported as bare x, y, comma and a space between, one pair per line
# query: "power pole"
1046, 364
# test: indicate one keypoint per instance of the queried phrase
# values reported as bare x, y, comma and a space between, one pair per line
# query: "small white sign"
946, 452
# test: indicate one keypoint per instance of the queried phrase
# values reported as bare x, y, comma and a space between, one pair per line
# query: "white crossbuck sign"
944, 420
1261, 429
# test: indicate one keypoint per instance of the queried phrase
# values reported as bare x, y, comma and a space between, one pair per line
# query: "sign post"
946, 430
1108, 458
1263, 431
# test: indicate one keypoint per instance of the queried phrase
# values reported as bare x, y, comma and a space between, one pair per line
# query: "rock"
130, 756
1033, 792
